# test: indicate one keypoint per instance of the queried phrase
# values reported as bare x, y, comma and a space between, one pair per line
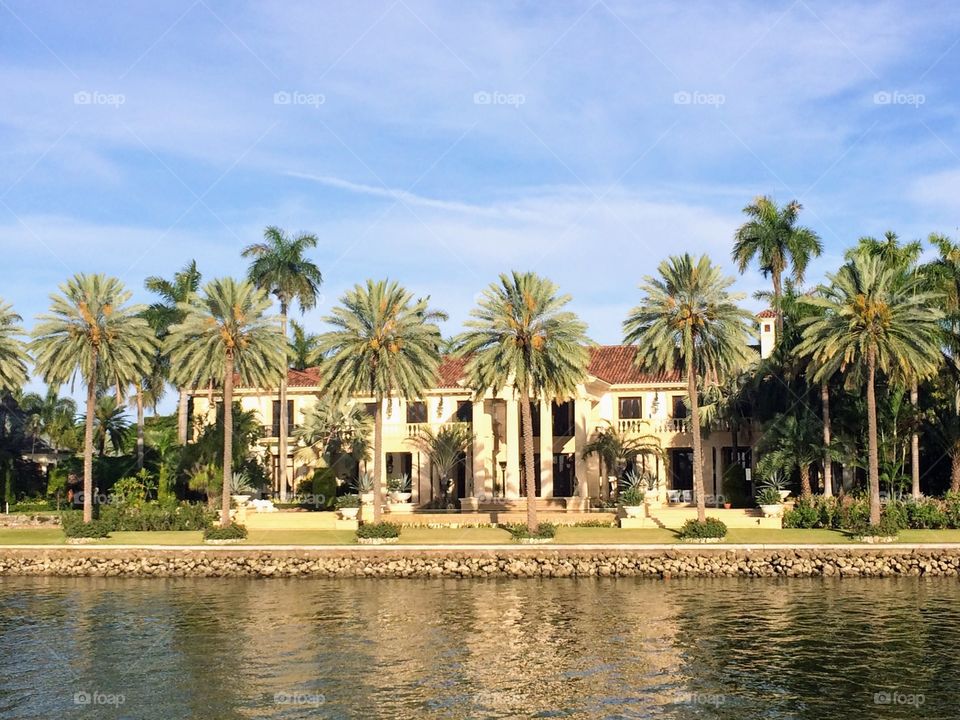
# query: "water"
611, 648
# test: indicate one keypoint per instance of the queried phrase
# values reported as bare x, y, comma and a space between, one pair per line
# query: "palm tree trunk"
873, 461
282, 465
532, 524
777, 297
182, 417
377, 460
955, 470
915, 443
827, 461
695, 432
139, 426
805, 490
88, 443
227, 440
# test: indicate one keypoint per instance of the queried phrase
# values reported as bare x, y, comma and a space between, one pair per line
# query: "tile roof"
766, 314
614, 364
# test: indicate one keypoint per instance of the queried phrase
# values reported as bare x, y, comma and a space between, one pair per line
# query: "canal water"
598, 648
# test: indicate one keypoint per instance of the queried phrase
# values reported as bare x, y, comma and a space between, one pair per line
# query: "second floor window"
631, 408
276, 418
464, 411
416, 412
679, 406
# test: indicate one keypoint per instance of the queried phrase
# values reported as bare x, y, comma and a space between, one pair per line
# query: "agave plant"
363, 484
240, 483
399, 484
633, 489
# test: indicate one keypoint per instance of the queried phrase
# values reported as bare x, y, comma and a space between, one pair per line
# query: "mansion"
615, 393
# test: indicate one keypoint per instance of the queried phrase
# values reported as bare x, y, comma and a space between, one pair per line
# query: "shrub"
378, 530
769, 496
852, 512
324, 488
520, 531
951, 509
348, 501
805, 514
233, 531
153, 516
596, 523
33, 505
75, 527
925, 514
709, 528
887, 527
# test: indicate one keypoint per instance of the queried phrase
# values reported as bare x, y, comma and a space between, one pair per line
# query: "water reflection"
726, 648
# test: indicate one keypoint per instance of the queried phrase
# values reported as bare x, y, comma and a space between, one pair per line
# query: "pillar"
482, 452
581, 409
546, 448
512, 489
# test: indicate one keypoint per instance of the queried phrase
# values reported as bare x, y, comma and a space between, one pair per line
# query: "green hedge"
75, 527
520, 531
233, 531
709, 528
853, 513
378, 530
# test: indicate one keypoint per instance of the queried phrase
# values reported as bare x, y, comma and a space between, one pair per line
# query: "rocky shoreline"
513, 562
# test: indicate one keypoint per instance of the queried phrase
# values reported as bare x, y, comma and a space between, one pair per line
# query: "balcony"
415, 430
655, 425
273, 431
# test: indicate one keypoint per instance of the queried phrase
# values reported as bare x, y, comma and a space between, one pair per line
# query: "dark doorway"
460, 473
563, 469
681, 469
563, 419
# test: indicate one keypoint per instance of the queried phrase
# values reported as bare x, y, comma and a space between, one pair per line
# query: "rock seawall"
401, 562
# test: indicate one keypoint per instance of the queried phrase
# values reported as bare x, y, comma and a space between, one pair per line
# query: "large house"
615, 392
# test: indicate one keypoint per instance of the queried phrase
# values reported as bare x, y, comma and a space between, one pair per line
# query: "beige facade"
614, 393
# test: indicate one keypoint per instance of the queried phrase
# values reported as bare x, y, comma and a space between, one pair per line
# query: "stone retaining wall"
400, 562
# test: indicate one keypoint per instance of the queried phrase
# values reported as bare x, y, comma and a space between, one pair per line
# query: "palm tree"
49, 416
161, 315
445, 449
93, 332
383, 343
109, 425
280, 268
521, 336
792, 442
772, 236
302, 348
874, 317
334, 431
13, 352
614, 449
226, 333
688, 316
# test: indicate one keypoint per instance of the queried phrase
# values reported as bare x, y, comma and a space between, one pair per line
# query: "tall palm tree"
384, 343
614, 449
520, 336
772, 236
93, 332
13, 352
687, 316
161, 315
302, 347
110, 425
335, 431
792, 442
280, 268
874, 317
226, 333
49, 415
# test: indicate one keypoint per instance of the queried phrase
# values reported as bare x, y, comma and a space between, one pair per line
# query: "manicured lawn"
31, 536
172, 537
652, 536
454, 536
930, 536
788, 536
300, 537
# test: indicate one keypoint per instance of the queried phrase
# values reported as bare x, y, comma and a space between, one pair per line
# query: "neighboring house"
614, 392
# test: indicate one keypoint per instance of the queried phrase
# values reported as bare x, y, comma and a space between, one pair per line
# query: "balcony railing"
415, 430
674, 425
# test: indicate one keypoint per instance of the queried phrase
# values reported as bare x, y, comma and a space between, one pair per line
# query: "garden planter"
771, 510
349, 513
366, 498
633, 511
241, 500
727, 506
400, 497
400, 507
784, 494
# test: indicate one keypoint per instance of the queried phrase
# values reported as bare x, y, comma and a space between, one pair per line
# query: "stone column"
581, 414
512, 489
482, 452
546, 448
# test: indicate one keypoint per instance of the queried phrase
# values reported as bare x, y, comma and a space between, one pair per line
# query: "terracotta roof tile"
616, 364
763, 314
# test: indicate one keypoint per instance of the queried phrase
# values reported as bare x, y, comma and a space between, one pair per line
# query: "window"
464, 411
679, 406
275, 430
631, 408
416, 412
766, 327
563, 425
370, 408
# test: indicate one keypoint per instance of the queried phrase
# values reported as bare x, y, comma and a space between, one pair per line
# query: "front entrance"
563, 469
681, 469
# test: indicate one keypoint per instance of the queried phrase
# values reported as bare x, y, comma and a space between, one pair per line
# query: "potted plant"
777, 482
651, 493
348, 506
241, 487
770, 501
399, 489
632, 493
364, 488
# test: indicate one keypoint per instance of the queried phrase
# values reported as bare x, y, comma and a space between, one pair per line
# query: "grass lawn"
454, 536
170, 537
31, 536
300, 537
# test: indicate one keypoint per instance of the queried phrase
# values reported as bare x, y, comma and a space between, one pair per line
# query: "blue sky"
441, 143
